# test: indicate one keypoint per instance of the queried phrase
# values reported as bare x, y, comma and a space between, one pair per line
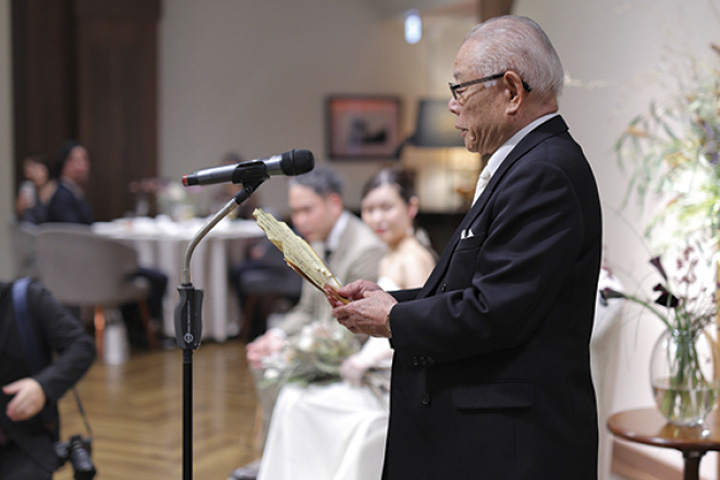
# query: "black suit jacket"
56, 331
491, 374
66, 207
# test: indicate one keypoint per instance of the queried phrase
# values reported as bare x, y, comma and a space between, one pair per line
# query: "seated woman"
35, 192
337, 431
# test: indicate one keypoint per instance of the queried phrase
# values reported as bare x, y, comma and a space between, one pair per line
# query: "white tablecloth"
161, 244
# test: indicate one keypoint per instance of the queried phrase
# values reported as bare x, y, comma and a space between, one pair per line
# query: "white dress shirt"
501, 153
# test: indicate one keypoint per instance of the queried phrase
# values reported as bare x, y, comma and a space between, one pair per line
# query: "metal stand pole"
187, 414
188, 321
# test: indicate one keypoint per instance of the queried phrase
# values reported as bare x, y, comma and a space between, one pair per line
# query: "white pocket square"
466, 234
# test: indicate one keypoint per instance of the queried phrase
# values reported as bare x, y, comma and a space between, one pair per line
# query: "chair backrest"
23, 247
82, 268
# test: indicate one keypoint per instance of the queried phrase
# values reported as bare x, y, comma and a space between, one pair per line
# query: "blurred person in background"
68, 204
29, 420
35, 192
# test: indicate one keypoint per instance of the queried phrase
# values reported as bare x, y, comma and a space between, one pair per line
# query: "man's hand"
261, 347
352, 291
28, 401
368, 310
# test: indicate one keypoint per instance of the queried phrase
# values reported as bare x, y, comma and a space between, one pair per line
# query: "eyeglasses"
454, 87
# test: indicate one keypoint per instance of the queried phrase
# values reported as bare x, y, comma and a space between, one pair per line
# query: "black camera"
78, 451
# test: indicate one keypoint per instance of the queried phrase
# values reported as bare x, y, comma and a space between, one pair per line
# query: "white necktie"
482, 182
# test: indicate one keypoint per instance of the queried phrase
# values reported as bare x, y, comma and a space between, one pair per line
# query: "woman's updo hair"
397, 178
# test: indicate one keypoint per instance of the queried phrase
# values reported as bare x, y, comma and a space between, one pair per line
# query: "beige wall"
252, 76
6, 136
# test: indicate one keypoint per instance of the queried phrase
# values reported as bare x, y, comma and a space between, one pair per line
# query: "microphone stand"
188, 321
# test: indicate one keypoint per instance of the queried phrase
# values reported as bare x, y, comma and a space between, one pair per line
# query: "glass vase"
683, 374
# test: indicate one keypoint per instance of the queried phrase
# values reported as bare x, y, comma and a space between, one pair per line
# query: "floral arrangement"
313, 355
688, 305
686, 388
674, 150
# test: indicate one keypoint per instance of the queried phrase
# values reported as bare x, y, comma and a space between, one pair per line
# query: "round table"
161, 243
648, 426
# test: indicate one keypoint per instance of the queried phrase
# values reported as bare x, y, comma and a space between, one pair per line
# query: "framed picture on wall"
362, 126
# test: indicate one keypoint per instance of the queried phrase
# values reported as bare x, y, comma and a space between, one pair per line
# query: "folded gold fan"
298, 254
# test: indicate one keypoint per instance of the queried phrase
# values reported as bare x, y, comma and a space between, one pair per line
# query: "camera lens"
80, 459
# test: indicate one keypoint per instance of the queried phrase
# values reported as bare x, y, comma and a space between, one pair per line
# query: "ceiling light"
413, 27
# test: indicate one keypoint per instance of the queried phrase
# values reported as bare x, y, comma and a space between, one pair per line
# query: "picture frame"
362, 126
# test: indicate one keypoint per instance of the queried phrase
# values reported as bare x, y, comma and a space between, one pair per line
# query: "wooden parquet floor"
135, 412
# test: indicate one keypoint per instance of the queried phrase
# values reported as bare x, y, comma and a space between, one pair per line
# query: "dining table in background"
161, 244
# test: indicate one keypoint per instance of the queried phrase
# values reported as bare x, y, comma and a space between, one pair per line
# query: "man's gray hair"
518, 43
322, 180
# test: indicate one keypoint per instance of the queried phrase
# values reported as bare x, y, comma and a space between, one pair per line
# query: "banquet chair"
22, 236
83, 269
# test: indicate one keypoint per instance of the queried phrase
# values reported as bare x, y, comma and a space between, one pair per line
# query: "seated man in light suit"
349, 247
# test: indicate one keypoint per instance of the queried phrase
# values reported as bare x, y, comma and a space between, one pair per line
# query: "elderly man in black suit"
491, 373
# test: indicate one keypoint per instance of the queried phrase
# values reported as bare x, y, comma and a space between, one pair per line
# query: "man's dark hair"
322, 180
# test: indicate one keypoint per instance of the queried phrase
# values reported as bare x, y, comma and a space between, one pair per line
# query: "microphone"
294, 162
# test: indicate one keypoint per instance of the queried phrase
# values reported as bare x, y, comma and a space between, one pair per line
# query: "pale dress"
330, 432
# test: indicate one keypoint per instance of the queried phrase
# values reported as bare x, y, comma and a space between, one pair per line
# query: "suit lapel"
548, 129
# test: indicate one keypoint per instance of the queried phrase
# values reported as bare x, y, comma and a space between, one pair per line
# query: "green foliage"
672, 152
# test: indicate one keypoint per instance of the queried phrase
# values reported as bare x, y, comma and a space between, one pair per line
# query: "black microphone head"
297, 162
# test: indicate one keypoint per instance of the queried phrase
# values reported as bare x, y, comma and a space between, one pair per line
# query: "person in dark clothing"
68, 204
491, 372
29, 420
35, 192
